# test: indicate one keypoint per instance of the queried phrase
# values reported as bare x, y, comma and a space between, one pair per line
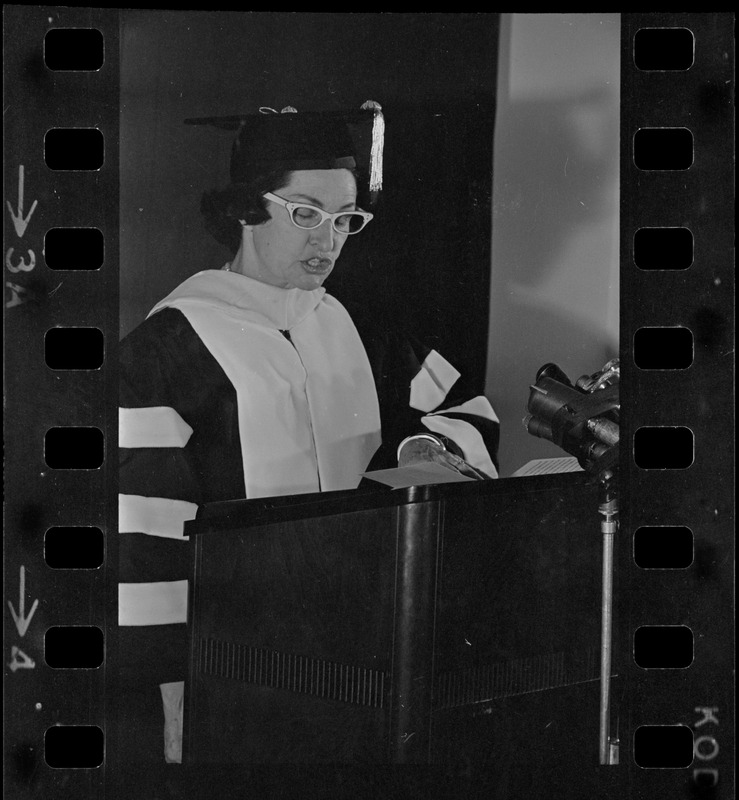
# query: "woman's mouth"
318, 266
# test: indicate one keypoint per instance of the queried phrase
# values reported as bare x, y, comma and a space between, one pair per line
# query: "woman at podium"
252, 381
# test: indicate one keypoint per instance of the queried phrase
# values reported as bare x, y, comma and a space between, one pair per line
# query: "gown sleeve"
178, 447
158, 492
420, 391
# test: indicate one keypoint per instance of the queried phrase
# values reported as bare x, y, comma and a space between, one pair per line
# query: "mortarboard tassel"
378, 139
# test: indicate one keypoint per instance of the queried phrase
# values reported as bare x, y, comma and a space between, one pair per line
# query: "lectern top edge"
243, 514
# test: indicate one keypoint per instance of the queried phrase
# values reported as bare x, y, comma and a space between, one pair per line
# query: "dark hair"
223, 209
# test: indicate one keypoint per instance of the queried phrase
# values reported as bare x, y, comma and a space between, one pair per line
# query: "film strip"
61, 243
61, 326
676, 335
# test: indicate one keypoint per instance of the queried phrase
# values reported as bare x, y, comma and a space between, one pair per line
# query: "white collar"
238, 295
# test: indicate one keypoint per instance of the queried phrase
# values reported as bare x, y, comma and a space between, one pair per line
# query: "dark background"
425, 256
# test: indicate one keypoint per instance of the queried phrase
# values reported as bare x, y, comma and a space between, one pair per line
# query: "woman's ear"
245, 226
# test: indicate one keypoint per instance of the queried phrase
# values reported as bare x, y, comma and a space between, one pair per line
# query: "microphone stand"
562, 413
608, 508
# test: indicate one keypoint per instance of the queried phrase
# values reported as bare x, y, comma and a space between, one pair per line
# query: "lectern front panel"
517, 644
428, 626
292, 640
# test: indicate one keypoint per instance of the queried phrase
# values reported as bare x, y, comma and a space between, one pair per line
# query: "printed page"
548, 466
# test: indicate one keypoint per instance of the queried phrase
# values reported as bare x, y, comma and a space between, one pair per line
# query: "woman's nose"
323, 236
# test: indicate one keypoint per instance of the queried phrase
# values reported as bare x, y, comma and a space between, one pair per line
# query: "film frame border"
699, 497
699, 397
40, 700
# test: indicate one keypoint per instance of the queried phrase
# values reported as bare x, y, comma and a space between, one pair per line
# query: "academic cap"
294, 140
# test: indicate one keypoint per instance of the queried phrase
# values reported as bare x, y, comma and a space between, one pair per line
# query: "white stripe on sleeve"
173, 702
154, 426
433, 382
163, 603
467, 437
154, 516
478, 405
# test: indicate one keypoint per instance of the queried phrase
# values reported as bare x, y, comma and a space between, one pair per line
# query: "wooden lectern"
451, 624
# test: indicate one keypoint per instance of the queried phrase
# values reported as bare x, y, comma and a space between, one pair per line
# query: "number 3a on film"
24, 263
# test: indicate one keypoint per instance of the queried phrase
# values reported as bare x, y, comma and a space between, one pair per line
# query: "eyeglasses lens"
307, 217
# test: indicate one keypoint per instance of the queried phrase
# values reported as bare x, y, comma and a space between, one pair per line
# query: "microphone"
582, 419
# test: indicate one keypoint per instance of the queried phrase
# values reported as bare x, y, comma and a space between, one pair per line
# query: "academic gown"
233, 388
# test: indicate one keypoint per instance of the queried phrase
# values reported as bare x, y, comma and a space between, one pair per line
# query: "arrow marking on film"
21, 620
19, 222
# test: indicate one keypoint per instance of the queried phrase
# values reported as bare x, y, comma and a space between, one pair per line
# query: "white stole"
309, 418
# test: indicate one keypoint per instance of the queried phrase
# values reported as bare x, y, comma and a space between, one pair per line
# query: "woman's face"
279, 253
